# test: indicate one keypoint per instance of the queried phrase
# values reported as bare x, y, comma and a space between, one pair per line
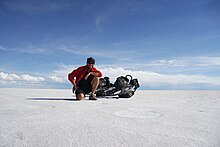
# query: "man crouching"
85, 79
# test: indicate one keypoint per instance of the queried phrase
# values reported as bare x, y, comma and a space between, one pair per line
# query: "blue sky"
166, 44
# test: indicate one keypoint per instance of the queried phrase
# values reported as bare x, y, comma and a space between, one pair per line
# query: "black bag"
121, 82
123, 87
105, 82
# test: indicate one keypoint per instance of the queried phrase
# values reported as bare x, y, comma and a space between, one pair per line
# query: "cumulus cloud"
10, 77
146, 78
61, 74
153, 78
29, 78
57, 79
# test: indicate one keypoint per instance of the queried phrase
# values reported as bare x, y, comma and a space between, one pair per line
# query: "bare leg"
95, 84
80, 96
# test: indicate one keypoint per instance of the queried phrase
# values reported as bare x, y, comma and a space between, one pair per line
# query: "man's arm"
95, 73
71, 77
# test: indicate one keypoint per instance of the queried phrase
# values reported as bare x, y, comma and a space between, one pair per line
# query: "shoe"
92, 97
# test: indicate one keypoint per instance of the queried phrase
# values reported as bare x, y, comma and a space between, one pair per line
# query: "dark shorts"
85, 86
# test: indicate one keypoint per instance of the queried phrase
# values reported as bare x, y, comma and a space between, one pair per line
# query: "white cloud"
207, 61
187, 61
172, 62
146, 78
30, 49
57, 79
61, 75
29, 78
153, 78
8, 77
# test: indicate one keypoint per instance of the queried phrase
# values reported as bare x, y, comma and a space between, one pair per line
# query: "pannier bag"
124, 87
